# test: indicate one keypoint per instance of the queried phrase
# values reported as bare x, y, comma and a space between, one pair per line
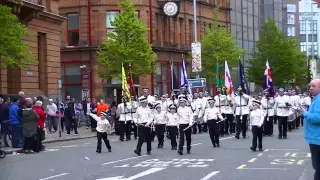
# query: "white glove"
190, 124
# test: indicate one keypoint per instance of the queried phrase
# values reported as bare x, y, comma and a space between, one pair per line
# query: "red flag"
130, 83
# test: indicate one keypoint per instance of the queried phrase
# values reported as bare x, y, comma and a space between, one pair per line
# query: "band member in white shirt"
160, 121
242, 111
103, 128
134, 108
143, 121
185, 125
212, 117
282, 107
172, 125
125, 118
256, 121
267, 104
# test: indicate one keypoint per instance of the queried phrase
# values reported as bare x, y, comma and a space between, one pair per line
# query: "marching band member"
124, 111
282, 107
103, 128
185, 123
164, 103
242, 111
220, 102
306, 102
134, 108
228, 112
172, 125
195, 110
198, 101
295, 102
160, 121
267, 103
212, 116
256, 120
143, 121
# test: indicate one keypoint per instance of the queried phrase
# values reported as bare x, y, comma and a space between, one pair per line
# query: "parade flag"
227, 78
130, 82
183, 76
242, 79
174, 82
125, 89
267, 83
218, 76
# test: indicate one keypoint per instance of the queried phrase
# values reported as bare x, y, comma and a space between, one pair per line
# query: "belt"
267, 108
241, 105
125, 113
283, 107
222, 106
133, 112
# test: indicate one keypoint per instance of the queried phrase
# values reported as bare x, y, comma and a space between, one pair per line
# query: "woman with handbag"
41, 133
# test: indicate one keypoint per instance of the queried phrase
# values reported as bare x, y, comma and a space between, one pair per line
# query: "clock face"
170, 9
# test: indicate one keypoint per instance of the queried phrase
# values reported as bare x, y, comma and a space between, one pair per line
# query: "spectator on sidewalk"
29, 128
15, 122
22, 100
101, 107
78, 110
86, 110
41, 133
52, 119
312, 126
93, 110
60, 113
4, 120
70, 116
113, 113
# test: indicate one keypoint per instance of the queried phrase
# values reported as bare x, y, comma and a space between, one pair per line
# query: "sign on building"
197, 83
196, 57
85, 93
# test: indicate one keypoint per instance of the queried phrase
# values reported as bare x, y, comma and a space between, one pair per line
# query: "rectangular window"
138, 14
73, 29
110, 17
180, 31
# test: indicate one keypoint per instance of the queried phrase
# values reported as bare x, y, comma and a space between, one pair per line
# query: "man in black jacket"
70, 117
4, 121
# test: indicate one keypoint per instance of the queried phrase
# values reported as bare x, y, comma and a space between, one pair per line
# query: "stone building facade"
43, 21
88, 22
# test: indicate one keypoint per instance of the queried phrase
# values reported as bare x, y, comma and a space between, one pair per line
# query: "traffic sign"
197, 83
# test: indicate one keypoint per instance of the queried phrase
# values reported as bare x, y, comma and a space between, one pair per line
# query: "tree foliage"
285, 59
127, 45
217, 44
14, 52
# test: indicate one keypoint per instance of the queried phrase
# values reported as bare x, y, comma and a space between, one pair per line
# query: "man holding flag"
124, 110
228, 91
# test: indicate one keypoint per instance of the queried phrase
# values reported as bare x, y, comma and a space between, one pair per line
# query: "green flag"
218, 76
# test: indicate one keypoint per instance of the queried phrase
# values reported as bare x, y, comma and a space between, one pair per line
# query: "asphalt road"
76, 160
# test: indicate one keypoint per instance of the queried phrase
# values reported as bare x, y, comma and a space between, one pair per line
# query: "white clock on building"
170, 9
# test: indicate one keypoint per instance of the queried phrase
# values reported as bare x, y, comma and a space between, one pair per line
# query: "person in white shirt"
185, 123
211, 117
51, 116
160, 121
172, 125
125, 119
282, 107
143, 121
103, 128
242, 110
267, 104
256, 121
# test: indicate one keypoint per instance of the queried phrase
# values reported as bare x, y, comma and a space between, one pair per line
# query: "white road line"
123, 160
260, 154
226, 138
282, 169
210, 175
51, 177
194, 144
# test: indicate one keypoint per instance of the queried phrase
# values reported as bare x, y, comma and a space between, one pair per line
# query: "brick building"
43, 21
86, 26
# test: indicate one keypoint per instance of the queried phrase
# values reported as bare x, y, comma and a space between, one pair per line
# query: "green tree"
285, 59
127, 45
217, 45
14, 52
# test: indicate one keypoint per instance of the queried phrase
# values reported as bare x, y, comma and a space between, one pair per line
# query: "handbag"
42, 134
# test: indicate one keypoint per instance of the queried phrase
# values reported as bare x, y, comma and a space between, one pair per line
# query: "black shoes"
137, 152
253, 149
180, 152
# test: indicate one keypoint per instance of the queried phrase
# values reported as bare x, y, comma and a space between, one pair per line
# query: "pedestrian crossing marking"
242, 166
51, 150
260, 154
252, 160
69, 146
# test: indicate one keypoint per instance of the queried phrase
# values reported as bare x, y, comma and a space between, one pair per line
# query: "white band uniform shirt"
212, 113
144, 115
268, 104
102, 125
159, 117
242, 104
281, 105
185, 115
172, 119
124, 112
256, 117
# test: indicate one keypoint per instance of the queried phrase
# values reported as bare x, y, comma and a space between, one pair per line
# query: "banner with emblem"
125, 89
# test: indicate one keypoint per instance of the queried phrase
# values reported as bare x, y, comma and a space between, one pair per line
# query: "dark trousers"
5, 132
62, 123
135, 130
144, 134
241, 125
104, 136
173, 131
275, 119
72, 123
256, 136
125, 128
17, 139
230, 125
52, 121
223, 125
282, 126
186, 133
197, 126
298, 121
214, 131
315, 157
30, 143
160, 128
205, 127
268, 125
39, 147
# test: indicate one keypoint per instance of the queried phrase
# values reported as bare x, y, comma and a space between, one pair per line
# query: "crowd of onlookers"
26, 121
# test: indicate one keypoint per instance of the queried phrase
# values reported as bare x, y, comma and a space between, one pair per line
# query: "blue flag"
242, 79
174, 82
184, 77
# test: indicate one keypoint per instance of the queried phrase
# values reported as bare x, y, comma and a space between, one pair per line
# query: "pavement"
84, 133
285, 159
